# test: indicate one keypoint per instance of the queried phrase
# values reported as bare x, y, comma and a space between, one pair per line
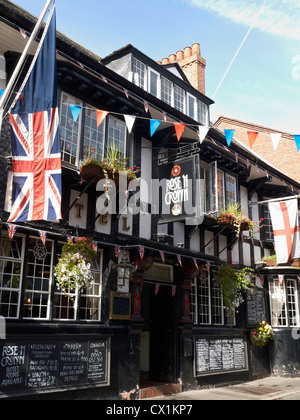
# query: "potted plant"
270, 261
234, 219
110, 167
233, 283
73, 271
261, 335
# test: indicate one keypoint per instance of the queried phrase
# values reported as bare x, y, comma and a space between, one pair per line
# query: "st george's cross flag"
285, 222
36, 155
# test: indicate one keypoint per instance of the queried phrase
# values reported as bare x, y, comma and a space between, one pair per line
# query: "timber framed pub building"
166, 322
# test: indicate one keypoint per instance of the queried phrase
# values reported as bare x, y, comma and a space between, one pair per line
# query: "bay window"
30, 292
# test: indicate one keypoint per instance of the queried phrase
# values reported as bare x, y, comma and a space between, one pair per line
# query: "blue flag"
229, 136
36, 153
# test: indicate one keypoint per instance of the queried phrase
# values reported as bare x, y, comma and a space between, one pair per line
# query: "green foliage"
233, 283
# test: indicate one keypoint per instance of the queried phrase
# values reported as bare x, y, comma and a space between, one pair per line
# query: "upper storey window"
163, 88
139, 71
83, 137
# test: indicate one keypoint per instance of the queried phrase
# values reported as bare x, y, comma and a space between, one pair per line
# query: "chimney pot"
159, 62
172, 58
187, 52
165, 61
196, 49
179, 56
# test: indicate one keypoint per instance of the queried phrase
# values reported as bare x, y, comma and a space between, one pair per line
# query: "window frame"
158, 82
215, 308
142, 69
18, 261
274, 288
189, 96
66, 104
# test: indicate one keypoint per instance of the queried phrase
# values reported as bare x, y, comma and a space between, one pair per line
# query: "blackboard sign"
256, 307
218, 356
47, 364
120, 306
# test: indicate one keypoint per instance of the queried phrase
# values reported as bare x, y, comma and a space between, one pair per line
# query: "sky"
263, 84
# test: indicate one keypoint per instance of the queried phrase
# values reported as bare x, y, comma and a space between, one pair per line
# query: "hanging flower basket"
73, 271
143, 265
233, 283
191, 271
261, 335
90, 171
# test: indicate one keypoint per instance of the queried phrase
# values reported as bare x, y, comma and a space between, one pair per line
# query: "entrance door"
158, 312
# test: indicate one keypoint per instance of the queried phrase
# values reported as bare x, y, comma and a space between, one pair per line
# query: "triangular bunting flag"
229, 136
297, 140
118, 249
101, 115
154, 124
275, 137
202, 132
126, 93
95, 246
179, 260
75, 109
179, 128
146, 105
173, 291
129, 122
142, 252
162, 256
1, 92
11, 230
252, 136
157, 286
196, 264
43, 236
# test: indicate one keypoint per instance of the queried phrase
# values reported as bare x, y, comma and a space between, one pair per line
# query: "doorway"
158, 337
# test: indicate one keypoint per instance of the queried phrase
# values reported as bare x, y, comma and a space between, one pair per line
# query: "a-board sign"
44, 365
120, 306
220, 356
256, 307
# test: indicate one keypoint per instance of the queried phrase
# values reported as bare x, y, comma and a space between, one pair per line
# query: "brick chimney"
192, 64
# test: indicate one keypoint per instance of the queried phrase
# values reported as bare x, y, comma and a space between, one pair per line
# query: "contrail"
239, 49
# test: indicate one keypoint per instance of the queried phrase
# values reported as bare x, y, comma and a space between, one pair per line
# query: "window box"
228, 222
91, 171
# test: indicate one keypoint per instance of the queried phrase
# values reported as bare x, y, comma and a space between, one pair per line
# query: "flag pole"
18, 68
275, 200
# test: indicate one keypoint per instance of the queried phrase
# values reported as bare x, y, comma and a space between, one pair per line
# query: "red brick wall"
286, 158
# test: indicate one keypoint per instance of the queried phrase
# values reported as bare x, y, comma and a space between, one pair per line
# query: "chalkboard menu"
217, 356
256, 307
43, 365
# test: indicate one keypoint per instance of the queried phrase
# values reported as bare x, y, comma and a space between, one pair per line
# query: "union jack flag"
35, 140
